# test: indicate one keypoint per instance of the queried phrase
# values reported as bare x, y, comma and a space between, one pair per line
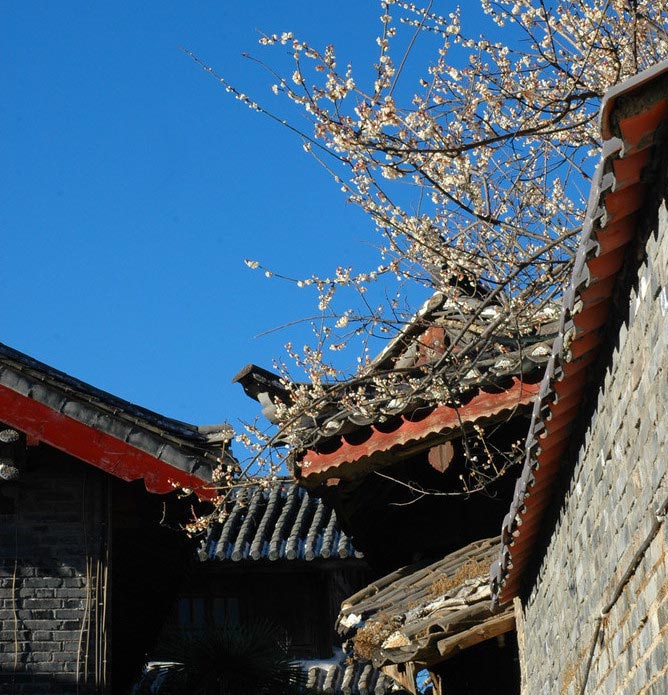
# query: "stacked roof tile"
498, 375
634, 118
279, 522
428, 611
350, 678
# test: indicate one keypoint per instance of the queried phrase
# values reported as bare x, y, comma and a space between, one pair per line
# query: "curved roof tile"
618, 192
350, 678
429, 609
121, 438
281, 522
350, 455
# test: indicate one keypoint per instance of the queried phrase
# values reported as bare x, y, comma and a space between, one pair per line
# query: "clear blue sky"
132, 188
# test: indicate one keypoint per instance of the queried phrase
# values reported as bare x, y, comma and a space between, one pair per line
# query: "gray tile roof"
278, 522
426, 612
350, 678
634, 136
507, 352
187, 448
322, 677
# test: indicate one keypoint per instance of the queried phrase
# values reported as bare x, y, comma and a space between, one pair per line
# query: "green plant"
230, 660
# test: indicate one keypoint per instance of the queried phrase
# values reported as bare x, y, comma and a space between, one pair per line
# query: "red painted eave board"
440, 420
96, 448
622, 206
638, 131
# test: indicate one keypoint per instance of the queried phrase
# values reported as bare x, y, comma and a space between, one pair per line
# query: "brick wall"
608, 547
52, 580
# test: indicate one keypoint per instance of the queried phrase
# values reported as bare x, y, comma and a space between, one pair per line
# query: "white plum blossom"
473, 167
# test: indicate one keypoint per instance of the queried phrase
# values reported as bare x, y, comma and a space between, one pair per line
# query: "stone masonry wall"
52, 549
608, 518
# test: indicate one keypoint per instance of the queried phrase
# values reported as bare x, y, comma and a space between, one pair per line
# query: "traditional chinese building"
583, 548
279, 554
397, 476
88, 563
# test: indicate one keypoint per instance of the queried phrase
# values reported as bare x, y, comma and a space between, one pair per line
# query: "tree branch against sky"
471, 153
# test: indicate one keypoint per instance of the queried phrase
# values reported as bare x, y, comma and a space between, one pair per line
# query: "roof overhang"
375, 445
279, 522
427, 613
114, 456
124, 440
634, 118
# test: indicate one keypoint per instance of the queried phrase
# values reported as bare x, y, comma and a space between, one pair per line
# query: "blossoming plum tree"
474, 174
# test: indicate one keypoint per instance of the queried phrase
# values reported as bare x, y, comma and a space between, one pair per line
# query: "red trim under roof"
99, 449
349, 457
612, 221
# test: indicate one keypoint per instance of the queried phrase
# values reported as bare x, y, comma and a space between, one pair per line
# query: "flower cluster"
474, 173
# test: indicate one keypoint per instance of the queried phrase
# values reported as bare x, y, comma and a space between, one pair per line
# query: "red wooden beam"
442, 419
112, 455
